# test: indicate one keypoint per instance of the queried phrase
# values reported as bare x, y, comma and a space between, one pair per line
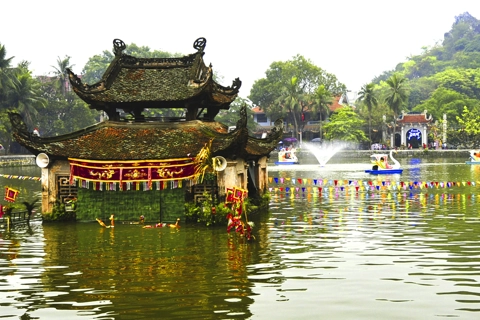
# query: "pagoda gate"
132, 164
413, 129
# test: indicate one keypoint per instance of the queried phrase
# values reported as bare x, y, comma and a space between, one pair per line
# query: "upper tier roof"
137, 83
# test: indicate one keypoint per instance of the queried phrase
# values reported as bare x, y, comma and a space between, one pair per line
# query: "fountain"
324, 152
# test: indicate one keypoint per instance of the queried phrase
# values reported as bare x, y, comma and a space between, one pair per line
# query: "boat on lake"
287, 156
382, 165
474, 157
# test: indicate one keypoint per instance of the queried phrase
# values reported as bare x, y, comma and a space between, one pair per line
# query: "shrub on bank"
209, 214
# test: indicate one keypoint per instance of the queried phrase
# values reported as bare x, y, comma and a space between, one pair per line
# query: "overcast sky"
355, 40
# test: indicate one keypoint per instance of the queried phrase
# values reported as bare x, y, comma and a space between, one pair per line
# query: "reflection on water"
344, 254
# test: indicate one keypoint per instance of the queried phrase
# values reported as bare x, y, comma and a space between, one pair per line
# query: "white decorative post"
424, 136
444, 133
384, 129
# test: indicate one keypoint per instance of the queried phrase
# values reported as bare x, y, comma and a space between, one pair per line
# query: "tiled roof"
335, 104
155, 83
414, 118
143, 141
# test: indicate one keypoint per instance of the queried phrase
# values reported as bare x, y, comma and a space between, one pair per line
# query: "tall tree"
396, 98
7, 76
290, 97
27, 98
321, 101
367, 95
288, 88
65, 113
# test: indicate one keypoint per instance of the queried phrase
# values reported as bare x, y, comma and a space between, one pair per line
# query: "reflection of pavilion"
413, 129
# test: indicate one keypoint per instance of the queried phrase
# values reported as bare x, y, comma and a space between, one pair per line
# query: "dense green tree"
468, 135
449, 102
8, 80
65, 113
291, 98
345, 125
289, 88
26, 97
95, 67
464, 81
420, 91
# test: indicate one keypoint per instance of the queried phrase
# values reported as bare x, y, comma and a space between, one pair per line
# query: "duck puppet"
161, 225
112, 222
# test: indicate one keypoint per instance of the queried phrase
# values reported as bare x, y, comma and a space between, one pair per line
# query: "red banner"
132, 171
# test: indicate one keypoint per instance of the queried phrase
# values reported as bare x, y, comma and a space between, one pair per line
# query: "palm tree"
367, 95
396, 97
27, 96
290, 99
30, 206
7, 78
322, 99
61, 72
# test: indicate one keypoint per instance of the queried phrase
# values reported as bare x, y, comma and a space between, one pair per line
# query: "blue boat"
287, 157
384, 171
381, 164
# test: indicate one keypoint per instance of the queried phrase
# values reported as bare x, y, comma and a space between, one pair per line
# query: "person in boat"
383, 164
476, 156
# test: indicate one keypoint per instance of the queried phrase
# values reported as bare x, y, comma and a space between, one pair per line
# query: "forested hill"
445, 77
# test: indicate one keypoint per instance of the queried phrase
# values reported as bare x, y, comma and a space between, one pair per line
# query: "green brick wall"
156, 205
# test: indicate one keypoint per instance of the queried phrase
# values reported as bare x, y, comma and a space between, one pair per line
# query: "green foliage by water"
59, 213
345, 125
210, 214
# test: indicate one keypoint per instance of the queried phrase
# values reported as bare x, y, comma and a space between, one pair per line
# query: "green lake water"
393, 249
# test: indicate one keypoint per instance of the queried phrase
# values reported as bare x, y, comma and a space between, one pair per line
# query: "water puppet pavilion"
132, 164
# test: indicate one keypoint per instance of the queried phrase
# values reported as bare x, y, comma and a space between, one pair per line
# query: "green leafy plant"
59, 213
30, 206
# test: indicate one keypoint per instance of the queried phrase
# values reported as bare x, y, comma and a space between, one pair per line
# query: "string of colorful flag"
10, 176
21, 161
308, 185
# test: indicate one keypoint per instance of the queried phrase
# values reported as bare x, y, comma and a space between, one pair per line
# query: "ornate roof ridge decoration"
249, 147
231, 90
